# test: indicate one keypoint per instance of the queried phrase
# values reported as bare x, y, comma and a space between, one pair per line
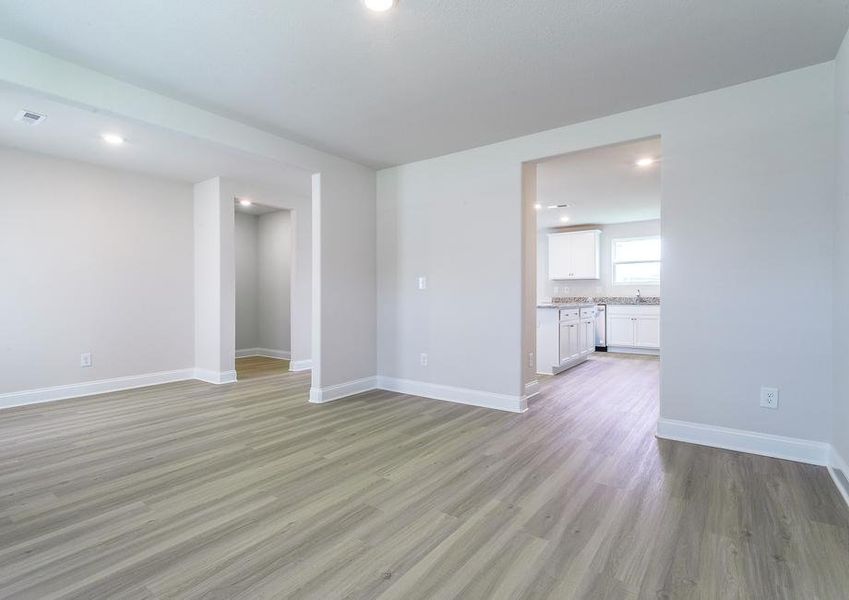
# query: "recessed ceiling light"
112, 138
537, 206
564, 219
379, 5
645, 162
244, 202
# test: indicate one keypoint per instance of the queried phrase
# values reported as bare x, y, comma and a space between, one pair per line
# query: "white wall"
546, 288
263, 272
274, 256
748, 187
343, 236
214, 277
840, 429
247, 264
91, 260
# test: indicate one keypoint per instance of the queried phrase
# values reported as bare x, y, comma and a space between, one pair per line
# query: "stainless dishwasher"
601, 328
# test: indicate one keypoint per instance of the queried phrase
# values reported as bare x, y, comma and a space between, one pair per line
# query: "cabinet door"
589, 336
565, 342
647, 332
559, 256
620, 330
584, 247
575, 348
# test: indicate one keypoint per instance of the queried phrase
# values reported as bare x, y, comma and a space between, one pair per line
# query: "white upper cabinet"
574, 255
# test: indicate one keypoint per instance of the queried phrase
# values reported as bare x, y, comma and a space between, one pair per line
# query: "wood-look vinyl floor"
190, 490
253, 367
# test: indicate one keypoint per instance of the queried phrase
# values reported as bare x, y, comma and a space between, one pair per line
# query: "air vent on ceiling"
29, 117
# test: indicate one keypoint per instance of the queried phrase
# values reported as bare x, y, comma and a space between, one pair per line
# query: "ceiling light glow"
379, 5
564, 219
244, 202
537, 206
112, 138
645, 162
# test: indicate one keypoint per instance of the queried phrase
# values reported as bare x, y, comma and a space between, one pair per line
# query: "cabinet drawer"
588, 313
569, 314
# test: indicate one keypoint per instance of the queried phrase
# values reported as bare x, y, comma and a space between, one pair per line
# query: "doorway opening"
592, 259
263, 251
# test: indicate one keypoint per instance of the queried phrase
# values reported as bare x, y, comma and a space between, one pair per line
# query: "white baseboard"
266, 352
89, 388
342, 390
216, 377
532, 388
838, 463
300, 365
426, 390
630, 350
517, 404
776, 446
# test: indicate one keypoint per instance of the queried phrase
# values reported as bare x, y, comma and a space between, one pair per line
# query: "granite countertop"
621, 300
582, 304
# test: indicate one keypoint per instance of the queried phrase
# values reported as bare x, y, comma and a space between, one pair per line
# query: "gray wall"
263, 248
840, 429
92, 260
274, 255
546, 288
245, 246
748, 195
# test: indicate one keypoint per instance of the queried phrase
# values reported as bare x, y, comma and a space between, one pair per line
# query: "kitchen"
598, 255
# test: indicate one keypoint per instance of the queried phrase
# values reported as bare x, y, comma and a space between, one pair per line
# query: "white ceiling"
73, 132
431, 76
255, 209
602, 185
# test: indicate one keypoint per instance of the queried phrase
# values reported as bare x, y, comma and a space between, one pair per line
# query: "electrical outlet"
531, 359
423, 359
421, 282
85, 359
769, 397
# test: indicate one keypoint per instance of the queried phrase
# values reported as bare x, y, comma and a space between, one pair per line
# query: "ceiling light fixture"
564, 219
244, 202
537, 206
29, 117
112, 138
379, 5
645, 162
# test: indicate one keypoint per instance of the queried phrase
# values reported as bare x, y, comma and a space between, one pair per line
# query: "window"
636, 261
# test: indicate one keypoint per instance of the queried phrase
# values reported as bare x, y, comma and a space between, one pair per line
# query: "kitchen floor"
190, 490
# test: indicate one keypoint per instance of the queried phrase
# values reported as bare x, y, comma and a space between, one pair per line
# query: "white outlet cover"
85, 359
422, 282
769, 397
423, 359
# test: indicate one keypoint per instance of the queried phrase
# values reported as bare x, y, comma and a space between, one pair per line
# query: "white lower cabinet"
633, 327
588, 335
565, 337
620, 330
569, 349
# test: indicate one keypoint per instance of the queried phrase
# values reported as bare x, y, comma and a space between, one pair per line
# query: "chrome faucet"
639, 297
